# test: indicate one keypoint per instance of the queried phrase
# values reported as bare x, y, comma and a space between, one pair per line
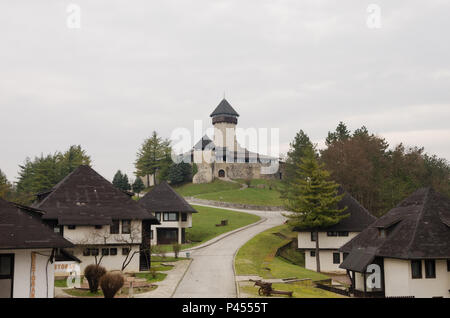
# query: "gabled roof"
165, 199
358, 219
224, 108
86, 198
415, 229
22, 227
203, 143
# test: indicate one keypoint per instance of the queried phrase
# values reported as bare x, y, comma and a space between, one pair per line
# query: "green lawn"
258, 256
158, 277
190, 189
231, 192
300, 291
204, 225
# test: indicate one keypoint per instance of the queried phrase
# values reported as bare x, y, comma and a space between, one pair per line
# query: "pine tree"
125, 184
154, 154
5, 186
299, 146
138, 186
313, 199
341, 134
117, 180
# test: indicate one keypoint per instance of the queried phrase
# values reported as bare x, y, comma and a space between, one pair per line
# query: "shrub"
152, 272
111, 283
176, 249
93, 273
248, 182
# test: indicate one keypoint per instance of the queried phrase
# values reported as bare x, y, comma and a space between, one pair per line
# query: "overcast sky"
138, 66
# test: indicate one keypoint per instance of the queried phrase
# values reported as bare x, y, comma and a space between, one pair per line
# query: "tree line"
42, 173
365, 166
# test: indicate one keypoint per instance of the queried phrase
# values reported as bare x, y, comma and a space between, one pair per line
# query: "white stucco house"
27, 252
332, 238
171, 210
410, 248
105, 224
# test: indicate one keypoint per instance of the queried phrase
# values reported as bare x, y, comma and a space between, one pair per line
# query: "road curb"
182, 277
225, 235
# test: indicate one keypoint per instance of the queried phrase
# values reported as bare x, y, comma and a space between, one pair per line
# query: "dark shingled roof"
417, 228
224, 108
203, 143
165, 199
22, 227
357, 221
86, 198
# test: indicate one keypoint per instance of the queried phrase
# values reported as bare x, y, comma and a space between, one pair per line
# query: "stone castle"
224, 158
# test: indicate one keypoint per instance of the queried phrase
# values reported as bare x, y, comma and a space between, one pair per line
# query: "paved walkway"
167, 287
211, 273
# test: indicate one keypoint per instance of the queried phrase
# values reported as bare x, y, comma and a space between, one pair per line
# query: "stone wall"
193, 200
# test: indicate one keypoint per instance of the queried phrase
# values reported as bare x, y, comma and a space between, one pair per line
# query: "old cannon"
265, 289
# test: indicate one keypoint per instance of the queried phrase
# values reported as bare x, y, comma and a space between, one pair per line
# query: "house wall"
44, 275
90, 235
171, 224
326, 261
110, 262
399, 281
334, 242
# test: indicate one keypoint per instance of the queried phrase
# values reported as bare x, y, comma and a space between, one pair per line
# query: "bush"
93, 273
176, 249
111, 283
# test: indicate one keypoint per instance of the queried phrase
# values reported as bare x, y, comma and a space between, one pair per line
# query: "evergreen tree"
5, 187
138, 186
121, 182
179, 173
154, 155
298, 147
313, 199
117, 180
341, 134
44, 172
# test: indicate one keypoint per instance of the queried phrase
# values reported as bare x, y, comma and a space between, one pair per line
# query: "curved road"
211, 272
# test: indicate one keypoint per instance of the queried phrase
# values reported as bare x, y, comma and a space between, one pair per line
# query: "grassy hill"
259, 257
261, 192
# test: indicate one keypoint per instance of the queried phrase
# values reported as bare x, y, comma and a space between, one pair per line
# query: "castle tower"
224, 120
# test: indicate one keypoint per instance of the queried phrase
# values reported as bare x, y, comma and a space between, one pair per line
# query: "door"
167, 235
6, 275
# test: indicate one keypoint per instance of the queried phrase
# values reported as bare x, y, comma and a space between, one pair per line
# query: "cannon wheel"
261, 291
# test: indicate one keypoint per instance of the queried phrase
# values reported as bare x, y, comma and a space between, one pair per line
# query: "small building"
172, 210
406, 252
27, 252
333, 237
105, 224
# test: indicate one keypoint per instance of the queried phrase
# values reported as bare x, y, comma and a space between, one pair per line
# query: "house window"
332, 233
158, 216
151, 234
98, 227
336, 258
416, 269
312, 253
126, 226
113, 251
430, 268
86, 252
313, 236
170, 216
114, 227
105, 251
183, 217
57, 229
71, 227
125, 251
94, 251
343, 233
